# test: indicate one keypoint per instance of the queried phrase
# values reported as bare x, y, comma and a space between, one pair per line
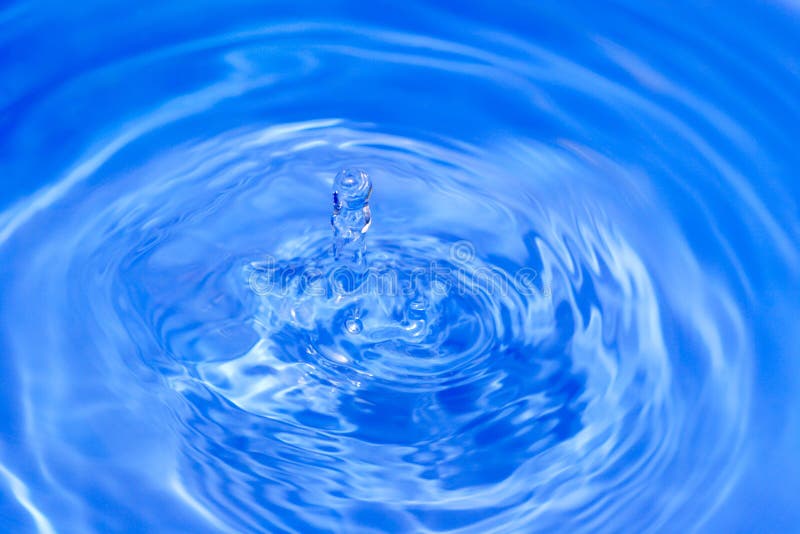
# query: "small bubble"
353, 326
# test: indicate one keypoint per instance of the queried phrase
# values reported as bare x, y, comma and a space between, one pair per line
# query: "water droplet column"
351, 215
350, 221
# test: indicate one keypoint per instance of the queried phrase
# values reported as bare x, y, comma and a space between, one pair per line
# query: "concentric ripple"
556, 328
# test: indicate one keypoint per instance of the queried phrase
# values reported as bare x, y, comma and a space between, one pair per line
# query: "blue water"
585, 216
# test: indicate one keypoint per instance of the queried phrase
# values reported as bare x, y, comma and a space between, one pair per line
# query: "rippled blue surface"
640, 159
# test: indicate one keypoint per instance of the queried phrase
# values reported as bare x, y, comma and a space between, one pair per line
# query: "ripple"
542, 344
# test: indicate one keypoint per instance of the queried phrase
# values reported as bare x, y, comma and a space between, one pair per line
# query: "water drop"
352, 189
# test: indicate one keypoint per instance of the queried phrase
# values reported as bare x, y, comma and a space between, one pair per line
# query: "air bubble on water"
353, 325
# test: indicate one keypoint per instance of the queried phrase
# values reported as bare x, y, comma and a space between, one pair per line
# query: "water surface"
602, 200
